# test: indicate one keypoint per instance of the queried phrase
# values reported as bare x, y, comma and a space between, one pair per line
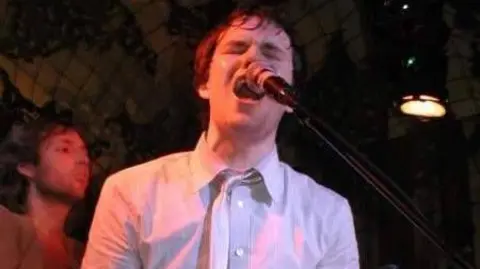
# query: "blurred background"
400, 79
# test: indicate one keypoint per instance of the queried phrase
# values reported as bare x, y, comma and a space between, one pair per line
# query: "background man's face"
63, 170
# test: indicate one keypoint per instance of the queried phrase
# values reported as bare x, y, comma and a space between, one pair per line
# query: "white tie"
220, 223
220, 218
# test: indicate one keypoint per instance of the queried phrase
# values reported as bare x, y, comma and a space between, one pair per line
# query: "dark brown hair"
21, 145
207, 46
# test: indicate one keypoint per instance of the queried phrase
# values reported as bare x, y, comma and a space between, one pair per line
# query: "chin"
243, 121
75, 198
76, 194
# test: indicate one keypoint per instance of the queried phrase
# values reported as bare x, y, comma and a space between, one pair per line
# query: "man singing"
229, 203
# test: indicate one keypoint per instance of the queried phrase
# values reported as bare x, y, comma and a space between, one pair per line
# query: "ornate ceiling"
131, 60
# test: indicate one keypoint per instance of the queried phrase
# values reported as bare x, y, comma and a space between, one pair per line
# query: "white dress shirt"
164, 214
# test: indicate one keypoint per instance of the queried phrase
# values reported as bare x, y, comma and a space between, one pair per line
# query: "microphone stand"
367, 170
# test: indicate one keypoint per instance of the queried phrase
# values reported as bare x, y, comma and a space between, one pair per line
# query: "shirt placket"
232, 222
240, 226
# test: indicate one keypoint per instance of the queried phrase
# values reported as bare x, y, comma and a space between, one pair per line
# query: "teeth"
246, 90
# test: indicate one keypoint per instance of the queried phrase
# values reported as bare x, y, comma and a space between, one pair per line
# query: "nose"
253, 54
82, 157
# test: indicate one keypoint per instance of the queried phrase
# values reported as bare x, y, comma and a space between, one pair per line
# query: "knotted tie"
220, 222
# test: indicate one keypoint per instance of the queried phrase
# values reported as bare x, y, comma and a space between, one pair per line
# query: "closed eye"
268, 49
236, 47
272, 51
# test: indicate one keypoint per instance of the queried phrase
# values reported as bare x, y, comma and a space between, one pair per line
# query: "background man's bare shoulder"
18, 245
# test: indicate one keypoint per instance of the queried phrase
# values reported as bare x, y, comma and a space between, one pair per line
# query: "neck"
239, 151
47, 215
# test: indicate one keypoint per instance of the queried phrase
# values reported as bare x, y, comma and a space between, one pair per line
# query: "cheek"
222, 69
59, 164
223, 63
49, 175
286, 72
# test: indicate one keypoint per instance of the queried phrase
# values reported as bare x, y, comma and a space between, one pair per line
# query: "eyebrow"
274, 46
70, 142
265, 44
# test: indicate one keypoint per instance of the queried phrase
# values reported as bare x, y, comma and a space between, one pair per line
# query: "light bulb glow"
424, 106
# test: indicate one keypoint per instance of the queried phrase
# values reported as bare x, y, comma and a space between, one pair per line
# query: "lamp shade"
423, 105
422, 90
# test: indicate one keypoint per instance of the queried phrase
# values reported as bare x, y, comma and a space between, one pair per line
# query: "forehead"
256, 28
65, 136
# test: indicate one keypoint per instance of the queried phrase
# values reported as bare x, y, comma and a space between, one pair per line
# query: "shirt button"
239, 252
240, 204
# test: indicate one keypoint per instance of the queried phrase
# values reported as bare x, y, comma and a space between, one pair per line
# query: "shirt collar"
206, 165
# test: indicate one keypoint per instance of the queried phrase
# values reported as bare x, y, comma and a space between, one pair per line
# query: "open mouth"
245, 90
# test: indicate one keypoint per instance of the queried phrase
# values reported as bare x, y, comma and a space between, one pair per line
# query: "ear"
27, 170
203, 92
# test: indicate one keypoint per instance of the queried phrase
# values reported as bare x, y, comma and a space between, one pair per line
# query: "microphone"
273, 85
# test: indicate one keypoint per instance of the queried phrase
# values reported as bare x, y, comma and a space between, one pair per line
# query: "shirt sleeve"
342, 250
113, 236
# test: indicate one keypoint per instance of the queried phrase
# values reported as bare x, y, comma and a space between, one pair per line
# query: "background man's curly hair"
22, 145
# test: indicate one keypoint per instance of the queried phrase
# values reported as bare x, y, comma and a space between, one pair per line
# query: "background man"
44, 171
